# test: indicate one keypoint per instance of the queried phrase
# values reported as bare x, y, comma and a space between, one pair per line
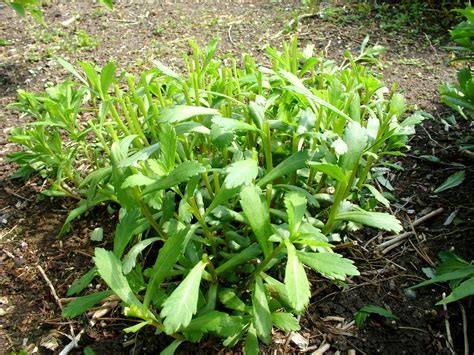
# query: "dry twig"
58, 301
449, 338
395, 241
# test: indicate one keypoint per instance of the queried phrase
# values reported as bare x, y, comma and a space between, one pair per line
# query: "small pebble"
410, 294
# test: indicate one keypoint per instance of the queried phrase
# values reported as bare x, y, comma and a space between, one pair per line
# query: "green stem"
207, 232
341, 188
267, 146
146, 212
264, 263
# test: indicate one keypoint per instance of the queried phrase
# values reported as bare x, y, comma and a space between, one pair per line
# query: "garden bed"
135, 34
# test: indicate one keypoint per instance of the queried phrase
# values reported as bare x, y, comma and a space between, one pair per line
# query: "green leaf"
19, 9
356, 139
360, 318
183, 113
70, 68
251, 341
465, 289
233, 124
240, 258
262, 320
84, 206
110, 269
256, 211
332, 170
166, 70
181, 305
222, 196
371, 309
91, 75
82, 304
287, 166
212, 321
378, 196
229, 298
170, 349
241, 172
125, 230
452, 181
285, 321
167, 257
137, 180
107, 3
180, 174
310, 198
135, 328
107, 76
221, 138
97, 234
295, 204
88, 351
296, 281
168, 144
380, 220
82, 282
257, 114
313, 98
460, 273
130, 259
141, 155
330, 265
277, 289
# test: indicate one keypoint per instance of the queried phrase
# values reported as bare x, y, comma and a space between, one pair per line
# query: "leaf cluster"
457, 272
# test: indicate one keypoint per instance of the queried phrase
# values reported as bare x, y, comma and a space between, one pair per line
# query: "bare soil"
137, 32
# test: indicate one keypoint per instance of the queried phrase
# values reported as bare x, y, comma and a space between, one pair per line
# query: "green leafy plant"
361, 316
455, 270
33, 7
239, 179
461, 97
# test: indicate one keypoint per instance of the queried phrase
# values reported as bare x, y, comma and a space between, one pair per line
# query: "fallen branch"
396, 240
449, 338
58, 301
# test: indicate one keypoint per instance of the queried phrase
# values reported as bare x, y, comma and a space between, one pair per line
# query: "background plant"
231, 181
460, 97
457, 272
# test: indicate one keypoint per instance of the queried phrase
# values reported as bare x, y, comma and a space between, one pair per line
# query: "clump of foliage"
34, 8
232, 182
455, 270
460, 97
414, 16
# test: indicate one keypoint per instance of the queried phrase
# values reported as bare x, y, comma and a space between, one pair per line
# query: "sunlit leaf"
295, 204
331, 265
262, 320
183, 113
240, 173
285, 321
110, 269
379, 220
181, 305
256, 211
296, 281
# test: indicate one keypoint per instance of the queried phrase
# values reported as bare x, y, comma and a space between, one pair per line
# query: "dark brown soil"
136, 33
